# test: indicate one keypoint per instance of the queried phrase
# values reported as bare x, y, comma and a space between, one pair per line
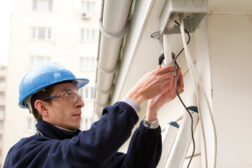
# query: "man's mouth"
77, 115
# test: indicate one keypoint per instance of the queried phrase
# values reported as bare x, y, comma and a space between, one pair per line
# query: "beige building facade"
3, 72
49, 30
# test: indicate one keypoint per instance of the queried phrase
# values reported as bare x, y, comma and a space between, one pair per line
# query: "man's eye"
67, 94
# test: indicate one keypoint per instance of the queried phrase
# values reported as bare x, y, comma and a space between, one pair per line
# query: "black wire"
173, 57
176, 66
176, 86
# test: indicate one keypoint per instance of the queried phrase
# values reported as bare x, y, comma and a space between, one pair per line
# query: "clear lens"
71, 95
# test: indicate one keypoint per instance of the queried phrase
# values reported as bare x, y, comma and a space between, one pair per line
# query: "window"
88, 34
31, 123
88, 92
1, 95
37, 60
87, 63
42, 5
86, 123
2, 82
1, 125
88, 6
2, 111
41, 33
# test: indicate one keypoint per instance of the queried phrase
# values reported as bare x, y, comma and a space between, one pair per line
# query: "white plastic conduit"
199, 89
113, 27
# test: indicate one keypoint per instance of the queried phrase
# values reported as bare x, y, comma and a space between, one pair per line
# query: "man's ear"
41, 108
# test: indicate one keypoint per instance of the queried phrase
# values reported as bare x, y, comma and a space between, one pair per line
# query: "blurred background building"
3, 72
41, 31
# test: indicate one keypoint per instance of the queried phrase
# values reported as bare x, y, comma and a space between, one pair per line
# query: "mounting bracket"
193, 11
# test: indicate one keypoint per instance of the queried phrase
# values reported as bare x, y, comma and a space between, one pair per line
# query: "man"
50, 92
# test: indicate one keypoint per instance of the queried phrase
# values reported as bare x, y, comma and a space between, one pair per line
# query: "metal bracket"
193, 11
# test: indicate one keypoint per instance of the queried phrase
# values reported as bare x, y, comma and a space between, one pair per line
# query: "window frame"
88, 93
35, 62
87, 63
35, 6
88, 34
88, 10
36, 31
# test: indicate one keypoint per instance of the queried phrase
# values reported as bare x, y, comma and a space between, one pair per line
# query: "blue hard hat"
45, 75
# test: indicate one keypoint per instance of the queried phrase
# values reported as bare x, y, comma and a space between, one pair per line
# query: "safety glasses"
71, 95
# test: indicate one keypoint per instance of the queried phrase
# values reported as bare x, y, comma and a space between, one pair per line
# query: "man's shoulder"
28, 145
29, 142
25, 150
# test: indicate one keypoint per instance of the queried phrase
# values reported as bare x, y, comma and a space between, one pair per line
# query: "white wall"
230, 48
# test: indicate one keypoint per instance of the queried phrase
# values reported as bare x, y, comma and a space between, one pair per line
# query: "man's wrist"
132, 103
151, 114
136, 97
152, 125
151, 118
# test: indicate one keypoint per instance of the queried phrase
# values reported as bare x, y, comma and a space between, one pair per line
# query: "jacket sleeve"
91, 148
144, 150
104, 138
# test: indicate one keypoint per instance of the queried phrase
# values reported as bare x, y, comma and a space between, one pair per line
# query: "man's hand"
166, 95
152, 84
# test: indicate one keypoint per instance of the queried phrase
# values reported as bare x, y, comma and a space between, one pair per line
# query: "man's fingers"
180, 90
180, 79
166, 69
167, 76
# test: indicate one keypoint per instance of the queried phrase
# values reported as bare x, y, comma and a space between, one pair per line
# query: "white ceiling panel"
231, 6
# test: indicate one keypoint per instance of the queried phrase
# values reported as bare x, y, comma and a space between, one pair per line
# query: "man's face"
63, 112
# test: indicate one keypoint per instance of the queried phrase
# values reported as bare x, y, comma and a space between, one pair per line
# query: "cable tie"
103, 91
120, 34
105, 70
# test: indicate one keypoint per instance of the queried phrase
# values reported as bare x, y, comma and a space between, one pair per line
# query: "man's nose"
80, 103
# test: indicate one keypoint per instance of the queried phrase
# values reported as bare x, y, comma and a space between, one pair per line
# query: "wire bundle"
197, 87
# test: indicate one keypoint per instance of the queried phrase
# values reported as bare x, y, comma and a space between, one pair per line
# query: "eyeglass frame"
61, 95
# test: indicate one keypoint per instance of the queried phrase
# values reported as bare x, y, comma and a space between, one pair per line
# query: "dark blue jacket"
94, 148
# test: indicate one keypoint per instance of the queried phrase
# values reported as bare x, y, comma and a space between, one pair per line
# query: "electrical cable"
189, 39
182, 102
176, 66
198, 87
176, 86
190, 67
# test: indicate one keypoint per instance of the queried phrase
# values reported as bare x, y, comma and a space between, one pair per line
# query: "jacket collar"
48, 130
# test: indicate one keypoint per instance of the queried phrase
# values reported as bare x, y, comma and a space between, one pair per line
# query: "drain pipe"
114, 25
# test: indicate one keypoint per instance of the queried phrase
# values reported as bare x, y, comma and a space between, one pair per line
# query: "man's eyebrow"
65, 90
